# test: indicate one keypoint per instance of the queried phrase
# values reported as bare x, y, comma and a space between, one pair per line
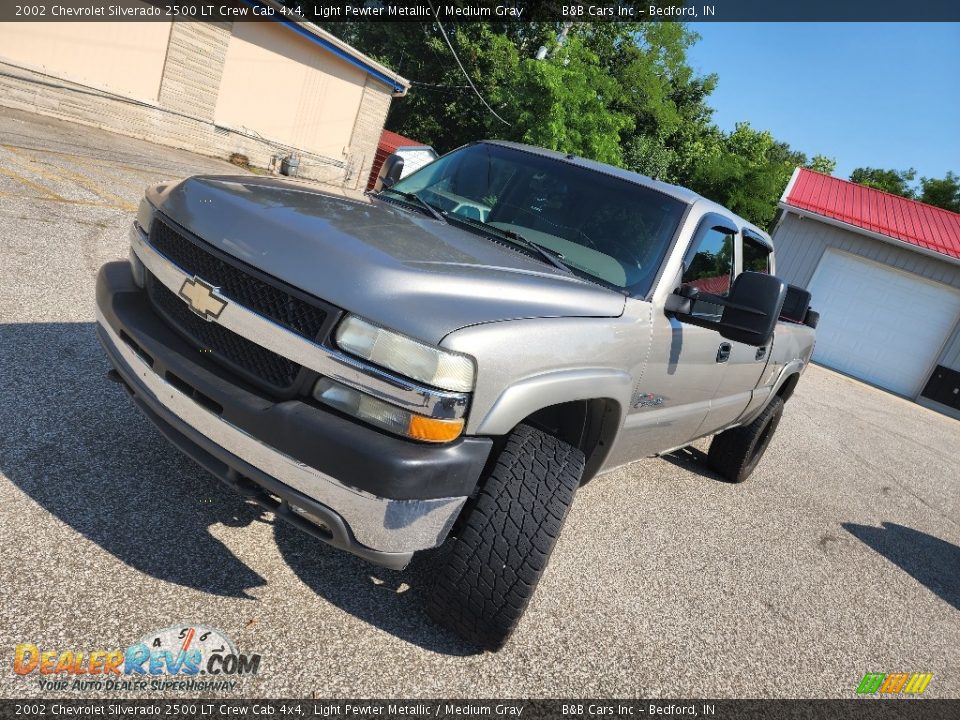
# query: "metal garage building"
257, 88
885, 276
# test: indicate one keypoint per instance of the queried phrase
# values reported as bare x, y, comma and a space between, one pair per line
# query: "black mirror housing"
796, 305
756, 300
390, 172
750, 310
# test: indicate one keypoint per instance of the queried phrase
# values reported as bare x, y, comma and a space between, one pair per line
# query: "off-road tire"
735, 453
487, 572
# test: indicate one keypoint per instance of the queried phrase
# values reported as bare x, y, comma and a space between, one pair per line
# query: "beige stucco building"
260, 88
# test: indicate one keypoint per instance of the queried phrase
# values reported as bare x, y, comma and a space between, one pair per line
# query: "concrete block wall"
367, 129
193, 68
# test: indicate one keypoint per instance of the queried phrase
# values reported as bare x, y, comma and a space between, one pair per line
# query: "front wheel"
735, 453
488, 571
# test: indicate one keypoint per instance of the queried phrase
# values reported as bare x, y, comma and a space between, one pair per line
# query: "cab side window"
756, 256
709, 265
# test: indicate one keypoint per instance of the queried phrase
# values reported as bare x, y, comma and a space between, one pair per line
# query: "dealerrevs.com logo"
182, 657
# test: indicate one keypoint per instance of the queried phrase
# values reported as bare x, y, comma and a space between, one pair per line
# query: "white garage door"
883, 325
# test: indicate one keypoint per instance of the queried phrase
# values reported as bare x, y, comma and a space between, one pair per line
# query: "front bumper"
379, 497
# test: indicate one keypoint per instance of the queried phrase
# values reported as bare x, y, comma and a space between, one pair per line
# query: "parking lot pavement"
841, 555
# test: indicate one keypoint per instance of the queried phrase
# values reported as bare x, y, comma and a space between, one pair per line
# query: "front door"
673, 398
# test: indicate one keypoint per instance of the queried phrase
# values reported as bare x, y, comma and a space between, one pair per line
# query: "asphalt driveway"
840, 556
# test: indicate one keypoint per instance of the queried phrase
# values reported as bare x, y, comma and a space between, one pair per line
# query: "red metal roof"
390, 140
714, 285
913, 222
389, 143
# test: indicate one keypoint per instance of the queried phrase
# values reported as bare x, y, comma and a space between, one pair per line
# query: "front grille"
257, 363
238, 283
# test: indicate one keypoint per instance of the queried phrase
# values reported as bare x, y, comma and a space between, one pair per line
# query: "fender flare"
794, 367
527, 396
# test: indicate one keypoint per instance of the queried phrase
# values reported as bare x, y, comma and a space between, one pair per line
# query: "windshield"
598, 225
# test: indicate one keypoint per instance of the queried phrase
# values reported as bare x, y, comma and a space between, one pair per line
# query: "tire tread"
730, 452
509, 530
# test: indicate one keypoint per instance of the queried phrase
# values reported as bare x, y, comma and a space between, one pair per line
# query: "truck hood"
396, 267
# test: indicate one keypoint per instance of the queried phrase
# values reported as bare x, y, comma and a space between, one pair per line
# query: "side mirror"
750, 310
796, 305
390, 172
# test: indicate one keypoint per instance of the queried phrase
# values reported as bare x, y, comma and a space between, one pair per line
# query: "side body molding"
525, 397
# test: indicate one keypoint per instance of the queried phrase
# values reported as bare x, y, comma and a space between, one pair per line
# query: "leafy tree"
748, 173
622, 93
440, 108
564, 103
943, 192
630, 80
822, 164
670, 129
896, 182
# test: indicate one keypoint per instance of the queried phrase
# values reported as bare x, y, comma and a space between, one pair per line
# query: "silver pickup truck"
441, 364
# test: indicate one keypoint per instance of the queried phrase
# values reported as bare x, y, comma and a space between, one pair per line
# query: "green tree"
565, 103
622, 93
822, 164
629, 81
943, 192
896, 182
670, 129
748, 173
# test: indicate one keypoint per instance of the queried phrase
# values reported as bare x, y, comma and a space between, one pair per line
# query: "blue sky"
868, 94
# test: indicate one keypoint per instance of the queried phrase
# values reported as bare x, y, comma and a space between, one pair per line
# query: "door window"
709, 267
756, 256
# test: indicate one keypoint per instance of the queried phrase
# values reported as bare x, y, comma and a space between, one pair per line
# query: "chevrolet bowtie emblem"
202, 298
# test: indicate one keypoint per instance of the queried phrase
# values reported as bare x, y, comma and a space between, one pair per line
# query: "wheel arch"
589, 425
584, 408
787, 385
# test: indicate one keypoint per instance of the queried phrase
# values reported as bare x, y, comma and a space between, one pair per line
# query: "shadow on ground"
931, 561
693, 460
77, 446
387, 599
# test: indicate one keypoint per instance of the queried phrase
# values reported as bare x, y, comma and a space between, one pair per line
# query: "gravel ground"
841, 555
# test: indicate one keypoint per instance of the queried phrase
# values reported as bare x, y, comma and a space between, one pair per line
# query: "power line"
435, 85
463, 69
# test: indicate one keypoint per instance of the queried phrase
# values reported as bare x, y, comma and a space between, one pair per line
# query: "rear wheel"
735, 453
488, 571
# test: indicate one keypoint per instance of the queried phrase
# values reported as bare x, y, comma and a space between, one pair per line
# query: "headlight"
412, 359
384, 415
145, 215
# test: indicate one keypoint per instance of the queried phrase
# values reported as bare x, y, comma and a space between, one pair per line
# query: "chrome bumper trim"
328, 362
378, 523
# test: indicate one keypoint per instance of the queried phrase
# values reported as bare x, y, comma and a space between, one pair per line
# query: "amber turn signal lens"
433, 430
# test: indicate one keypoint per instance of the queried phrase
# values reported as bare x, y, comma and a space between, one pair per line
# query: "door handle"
723, 353
761, 352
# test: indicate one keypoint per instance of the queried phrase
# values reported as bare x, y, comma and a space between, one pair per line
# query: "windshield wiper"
413, 197
548, 254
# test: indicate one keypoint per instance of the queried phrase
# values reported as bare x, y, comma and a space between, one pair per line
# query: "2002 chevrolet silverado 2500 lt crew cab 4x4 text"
444, 362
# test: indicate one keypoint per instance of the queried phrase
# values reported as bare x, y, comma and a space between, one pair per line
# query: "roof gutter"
869, 233
397, 84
